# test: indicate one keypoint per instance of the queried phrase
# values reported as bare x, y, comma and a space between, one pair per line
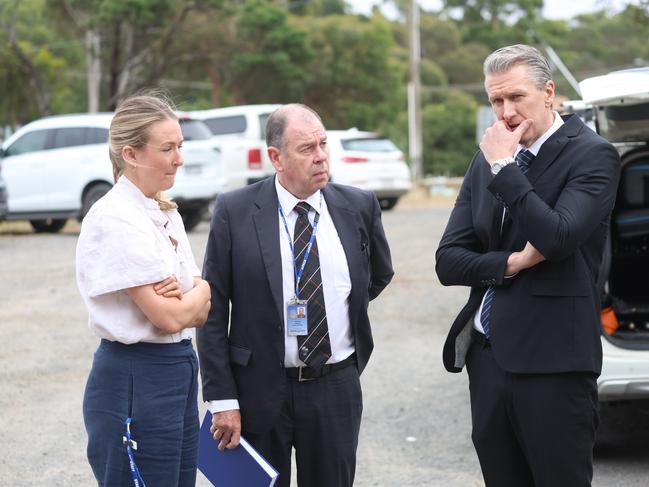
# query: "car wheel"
388, 203
93, 194
191, 218
48, 225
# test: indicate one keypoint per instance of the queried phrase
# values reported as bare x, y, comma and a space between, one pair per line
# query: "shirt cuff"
222, 405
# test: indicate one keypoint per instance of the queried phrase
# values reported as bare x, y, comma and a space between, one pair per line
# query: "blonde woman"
138, 278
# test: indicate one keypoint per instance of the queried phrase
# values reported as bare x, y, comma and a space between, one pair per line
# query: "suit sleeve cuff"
222, 405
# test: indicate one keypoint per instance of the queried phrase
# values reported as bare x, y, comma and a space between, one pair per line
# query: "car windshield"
194, 130
369, 145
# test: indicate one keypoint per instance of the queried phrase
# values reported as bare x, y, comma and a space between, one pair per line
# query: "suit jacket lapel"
266, 221
347, 225
552, 147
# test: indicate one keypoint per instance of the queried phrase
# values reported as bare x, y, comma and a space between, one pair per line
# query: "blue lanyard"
307, 252
130, 446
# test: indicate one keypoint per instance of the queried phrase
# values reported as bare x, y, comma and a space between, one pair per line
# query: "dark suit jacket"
544, 319
245, 361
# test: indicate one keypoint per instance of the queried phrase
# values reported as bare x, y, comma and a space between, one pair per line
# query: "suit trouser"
531, 430
321, 419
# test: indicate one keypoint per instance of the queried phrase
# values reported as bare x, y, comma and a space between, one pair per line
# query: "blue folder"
240, 466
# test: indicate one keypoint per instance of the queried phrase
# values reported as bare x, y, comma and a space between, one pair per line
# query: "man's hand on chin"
500, 141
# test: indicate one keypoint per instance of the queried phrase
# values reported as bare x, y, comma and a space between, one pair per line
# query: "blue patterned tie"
523, 160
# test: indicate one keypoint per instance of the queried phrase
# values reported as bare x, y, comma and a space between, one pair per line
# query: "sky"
553, 9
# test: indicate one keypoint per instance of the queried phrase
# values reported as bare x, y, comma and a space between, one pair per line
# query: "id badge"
296, 312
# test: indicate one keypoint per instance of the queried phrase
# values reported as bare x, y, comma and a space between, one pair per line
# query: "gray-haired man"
527, 234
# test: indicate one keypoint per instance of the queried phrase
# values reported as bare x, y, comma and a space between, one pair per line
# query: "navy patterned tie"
314, 348
524, 160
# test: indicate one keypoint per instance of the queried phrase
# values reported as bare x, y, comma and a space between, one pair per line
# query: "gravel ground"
416, 422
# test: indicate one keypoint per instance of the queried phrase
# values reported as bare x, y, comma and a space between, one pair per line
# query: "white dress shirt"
126, 240
534, 149
336, 283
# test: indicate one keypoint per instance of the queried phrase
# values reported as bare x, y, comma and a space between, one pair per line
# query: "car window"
68, 137
369, 145
263, 118
96, 135
30, 142
234, 124
194, 130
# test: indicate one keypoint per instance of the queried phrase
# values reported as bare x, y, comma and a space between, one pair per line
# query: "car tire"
388, 203
191, 218
48, 225
91, 196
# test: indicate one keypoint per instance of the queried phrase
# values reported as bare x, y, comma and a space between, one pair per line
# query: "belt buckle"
299, 375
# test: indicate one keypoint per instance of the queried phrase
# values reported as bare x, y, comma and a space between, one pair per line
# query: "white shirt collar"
536, 146
288, 201
152, 208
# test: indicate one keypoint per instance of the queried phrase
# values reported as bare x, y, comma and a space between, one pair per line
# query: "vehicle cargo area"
628, 283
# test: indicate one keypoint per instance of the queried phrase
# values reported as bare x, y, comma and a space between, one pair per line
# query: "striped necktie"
314, 348
524, 160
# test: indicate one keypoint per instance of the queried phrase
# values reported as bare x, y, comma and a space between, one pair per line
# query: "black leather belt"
307, 373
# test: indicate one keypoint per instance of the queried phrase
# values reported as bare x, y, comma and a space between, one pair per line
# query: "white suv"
621, 102
240, 132
368, 161
55, 168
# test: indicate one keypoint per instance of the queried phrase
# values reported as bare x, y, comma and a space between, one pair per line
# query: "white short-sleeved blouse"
126, 240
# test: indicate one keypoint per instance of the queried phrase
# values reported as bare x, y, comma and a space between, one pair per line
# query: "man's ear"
274, 156
549, 93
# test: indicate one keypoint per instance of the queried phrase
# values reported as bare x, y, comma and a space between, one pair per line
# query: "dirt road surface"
416, 421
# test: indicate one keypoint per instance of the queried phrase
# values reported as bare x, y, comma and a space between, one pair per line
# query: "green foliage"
271, 60
352, 69
464, 64
449, 134
352, 80
27, 44
320, 8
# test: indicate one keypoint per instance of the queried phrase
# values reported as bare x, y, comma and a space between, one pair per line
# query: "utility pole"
414, 96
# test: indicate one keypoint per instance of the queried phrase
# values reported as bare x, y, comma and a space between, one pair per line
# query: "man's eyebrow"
307, 143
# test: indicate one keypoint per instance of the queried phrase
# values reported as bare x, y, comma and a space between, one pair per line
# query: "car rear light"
354, 159
254, 158
401, 157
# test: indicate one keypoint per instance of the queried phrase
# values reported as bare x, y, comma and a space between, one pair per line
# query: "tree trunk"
127, 69
93, 67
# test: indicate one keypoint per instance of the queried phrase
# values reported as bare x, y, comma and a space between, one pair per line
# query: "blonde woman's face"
155, 164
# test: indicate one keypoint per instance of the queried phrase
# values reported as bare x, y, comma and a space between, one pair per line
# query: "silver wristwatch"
500, 163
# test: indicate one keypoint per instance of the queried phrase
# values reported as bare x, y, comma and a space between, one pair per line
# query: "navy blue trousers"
156, 385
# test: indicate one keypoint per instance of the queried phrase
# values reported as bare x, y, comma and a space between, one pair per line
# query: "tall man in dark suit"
527, 234
285, 343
